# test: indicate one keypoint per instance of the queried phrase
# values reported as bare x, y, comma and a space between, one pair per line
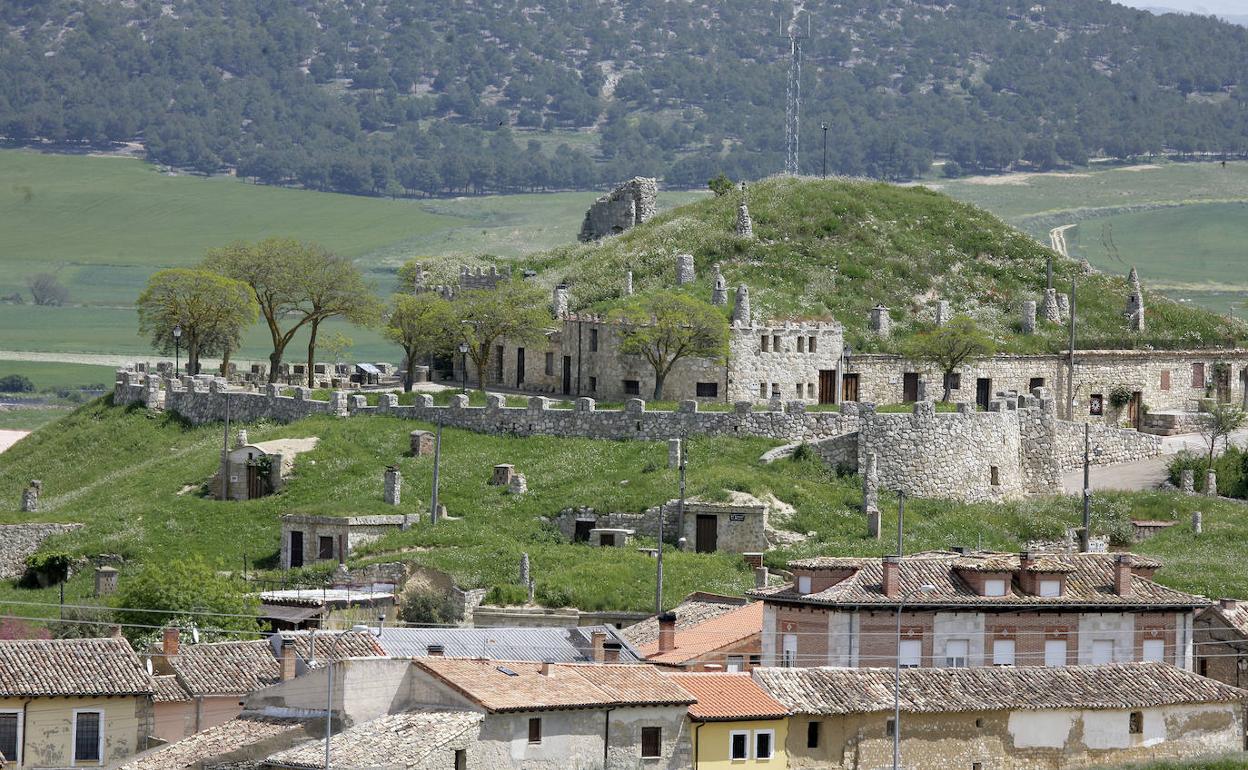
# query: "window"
735, 663
325, 547
890, 727
1033, 383
775, 343
1165, 379
535, 730
801, 344
1003, 652
550, 363
1135, 723
812, 728
775, 390
953, 381
803, 584
762, 390
707, 389
1096, 404
956, 653
1102, 652
593, 340
1054, 652
994, 587
739, 745
764, 743
88, 736
1050, 588
789, 659
498, 363
766, 343
10, 735
910, 654
812, 345
651, 742
994, 478
461, 759
799, 390
1198, 375
1154, 651
593, 384
756, 661
632, 387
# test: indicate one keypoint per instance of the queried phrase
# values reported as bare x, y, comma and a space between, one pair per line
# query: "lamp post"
329, 668
177, 350
824, 126
925, 588
463, 367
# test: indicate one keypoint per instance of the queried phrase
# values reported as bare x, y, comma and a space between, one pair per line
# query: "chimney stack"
598, 642
545, 668
892, 569
611, 652
435, 651
1228, 604
171, 641
288, 659
667, 632
1123, 574
559, 301
761, 575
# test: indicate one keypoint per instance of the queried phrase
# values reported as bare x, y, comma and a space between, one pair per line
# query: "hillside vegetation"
433, 97
135, 479
840, 247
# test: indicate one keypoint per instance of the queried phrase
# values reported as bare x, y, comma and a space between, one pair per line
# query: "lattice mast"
793, 93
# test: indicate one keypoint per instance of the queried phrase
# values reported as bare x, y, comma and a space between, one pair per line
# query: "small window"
593, 384
803, 584
593, 340
1035, 382
994, 587
461, 759
707, 389
632, 387
762, 390
799, 390
756, 660
890, 727
979, 722
739, 746
550, 363
1154, 651
1003, 652
1050, 588
801, 344
1135, 723
734, 664
10, 729
812, 728
651, 742
956, 653
994, 473
1096, 404
1165, 379
764, 743
775, 390
766, 343
953, 381
88, 736
535, 730
325, 547
910, 653
812, 345
775, 344
1198, 375
789, 655
1203, 668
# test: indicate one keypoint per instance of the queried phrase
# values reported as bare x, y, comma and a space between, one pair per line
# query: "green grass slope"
134, 479
839, 247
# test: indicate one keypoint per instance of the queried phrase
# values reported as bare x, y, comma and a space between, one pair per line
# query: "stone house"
1024, 718
309, 539
72, 703
731, 641
261, 468
986, 609
1220, 634
725, 527
735, 722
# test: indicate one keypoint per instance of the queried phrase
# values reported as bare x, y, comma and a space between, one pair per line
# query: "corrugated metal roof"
368, 369
558, 645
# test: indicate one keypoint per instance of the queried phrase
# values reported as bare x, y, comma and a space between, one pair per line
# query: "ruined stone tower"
719, 294
1135, 303
627, 205
741, 308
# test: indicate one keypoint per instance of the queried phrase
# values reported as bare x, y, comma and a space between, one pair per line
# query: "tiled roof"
226, 668
1090, 582
696, 608
728, 697
168, 690
1235, 617
991, 688
394, 740
32, 668
500, 686
560, 645
200, 749
708, 636
355, 645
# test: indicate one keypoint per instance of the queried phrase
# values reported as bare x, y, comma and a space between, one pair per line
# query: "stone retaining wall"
1117, 445
17, 541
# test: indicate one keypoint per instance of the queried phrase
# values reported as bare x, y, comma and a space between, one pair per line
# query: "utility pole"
1085, 536
901, 516
824, 126
1070, 365
437, 461
225, 451
680, 510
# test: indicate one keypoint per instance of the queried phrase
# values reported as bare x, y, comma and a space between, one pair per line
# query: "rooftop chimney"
598, 640
1123, 574
667, 632
169, 645
1228, 604
435, 651
114, 632
892, 568
545, 668
288, 659
611, 652
760, 577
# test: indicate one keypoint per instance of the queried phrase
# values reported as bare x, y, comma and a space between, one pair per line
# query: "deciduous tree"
668, 326
1220, 422
333, 287
212, 310
422, 325
186, 590
958, 342
47, 290
514, 311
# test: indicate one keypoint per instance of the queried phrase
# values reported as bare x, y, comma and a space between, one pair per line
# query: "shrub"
430, 608
16, 383
1119, 396
187, 588
47, 568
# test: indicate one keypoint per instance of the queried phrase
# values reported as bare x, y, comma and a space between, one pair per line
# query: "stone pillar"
1198, 522
524, 569
881, 322
719, 294
628, 283
943, 312
673, 453
559, 302
745, 225
684, 269
741, 308
1135, 302
30, 496
422, 443
105, 581
1063, 306
1211, 483
393, 486
1187, 481
502, 475
241, 439
518, 484
1050, 311
1029, 316
871, 495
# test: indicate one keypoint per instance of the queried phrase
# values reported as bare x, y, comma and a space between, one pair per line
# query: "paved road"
1143, 474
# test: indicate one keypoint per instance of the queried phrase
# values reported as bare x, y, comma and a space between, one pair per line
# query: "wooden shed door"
296, 550
849, 384
910, 387
707, 534
567, 375
983, 392
253, 482
827, 386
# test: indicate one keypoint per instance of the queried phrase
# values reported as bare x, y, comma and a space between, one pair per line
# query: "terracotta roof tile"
694, 609
168, 689
500, 686
1236, 617
49, 667
226, 668
991, 688
355, 645
200, 749
394, 740
728, 697
708, 636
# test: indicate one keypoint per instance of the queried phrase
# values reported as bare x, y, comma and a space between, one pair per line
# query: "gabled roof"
168, 689
695, 641
394, 740
352, 645
31, 668
559, 645
226, 668
1235, 617
1089, 582
503, 686
219, 741
728, 697
991, 688
697, 607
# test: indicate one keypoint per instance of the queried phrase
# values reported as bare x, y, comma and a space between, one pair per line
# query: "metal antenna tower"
793, 100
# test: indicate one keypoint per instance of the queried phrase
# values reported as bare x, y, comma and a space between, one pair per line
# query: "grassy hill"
134, 480
839, 247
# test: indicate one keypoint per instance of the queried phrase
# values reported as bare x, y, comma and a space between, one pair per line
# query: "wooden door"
707, 534
567, 375
1222, 383
849, 386
910, 387
581, 533
983, 392
296, 550
519, 367
1134, 413
827, 386
253, 482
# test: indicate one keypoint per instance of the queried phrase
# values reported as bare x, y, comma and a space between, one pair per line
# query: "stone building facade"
1221, 640
309, 539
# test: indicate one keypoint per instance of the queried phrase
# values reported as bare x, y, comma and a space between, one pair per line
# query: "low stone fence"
17, 541
1116, 445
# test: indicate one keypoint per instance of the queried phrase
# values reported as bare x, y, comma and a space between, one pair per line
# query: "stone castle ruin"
632, 203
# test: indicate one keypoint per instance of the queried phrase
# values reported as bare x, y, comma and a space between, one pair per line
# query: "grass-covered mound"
839, 247
134, 479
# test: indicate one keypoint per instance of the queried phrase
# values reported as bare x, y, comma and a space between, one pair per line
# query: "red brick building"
1221, 641
976, 609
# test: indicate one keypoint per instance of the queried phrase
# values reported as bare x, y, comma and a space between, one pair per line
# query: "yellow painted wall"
713, 752
47, 732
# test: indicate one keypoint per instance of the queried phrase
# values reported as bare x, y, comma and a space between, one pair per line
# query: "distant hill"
430, 97
840, 247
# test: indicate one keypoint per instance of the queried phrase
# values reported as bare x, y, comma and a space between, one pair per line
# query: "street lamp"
329, 668
177, 350
926, 588
463, 367
824, 126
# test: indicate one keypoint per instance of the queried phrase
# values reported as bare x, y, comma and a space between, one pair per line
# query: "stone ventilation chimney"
667, 632
761, 576
1123, 574
628, 283
881, 322
1135, 303
684, 269
241, 439
1051, 312
598, 641
1029, 316
943, 312
741, 308
30, 496
719, 294
892, 576
611, 652
559, 303
1063, 306
745, 225
288, 660
393, 485
171, 642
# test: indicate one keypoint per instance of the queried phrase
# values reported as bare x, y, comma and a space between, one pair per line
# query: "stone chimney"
667, 632
1029, 317
611, 652
240, 440
560, 302
435, 651
1123, 574
287, 660
1051, 312
545, 669
628, 283
719, 294
761, 576
393, 485
892, 576
30, 497
1229, 604
105, 580
741, 307
1135, 302
598, 641
114, 631
171, 642
684, 269
881, 322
